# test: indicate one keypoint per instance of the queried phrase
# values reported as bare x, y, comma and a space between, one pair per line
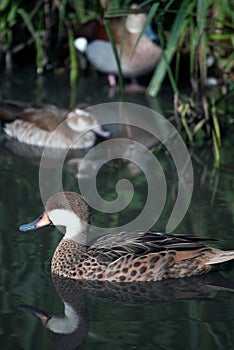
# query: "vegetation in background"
197, 38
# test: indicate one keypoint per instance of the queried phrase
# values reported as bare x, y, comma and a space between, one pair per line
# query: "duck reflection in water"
70, 329
65, 331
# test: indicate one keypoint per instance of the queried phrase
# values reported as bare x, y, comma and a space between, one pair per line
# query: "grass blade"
216, 150
39, 50
73, 58
169, 52
185, 124
216, 123
110, 36
201, 25
147, 22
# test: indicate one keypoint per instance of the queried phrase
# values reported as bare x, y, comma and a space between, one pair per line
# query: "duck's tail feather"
221, 257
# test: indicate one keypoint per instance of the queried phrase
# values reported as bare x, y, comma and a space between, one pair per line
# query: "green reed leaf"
39, 50
147, 22
216, 123
162, 67
216, 149
74, 72
110, 36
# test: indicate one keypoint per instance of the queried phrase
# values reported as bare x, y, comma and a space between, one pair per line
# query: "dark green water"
187, 314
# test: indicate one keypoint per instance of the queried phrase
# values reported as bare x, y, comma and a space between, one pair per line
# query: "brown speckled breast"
73, 260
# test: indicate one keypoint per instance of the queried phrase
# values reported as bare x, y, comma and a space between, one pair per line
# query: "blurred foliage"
197, 38
194, 28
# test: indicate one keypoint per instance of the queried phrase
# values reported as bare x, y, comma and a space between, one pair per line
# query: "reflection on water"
70, 328
184, 314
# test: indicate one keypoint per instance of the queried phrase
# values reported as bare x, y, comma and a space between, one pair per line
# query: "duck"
137, 57
35, 126
121, 256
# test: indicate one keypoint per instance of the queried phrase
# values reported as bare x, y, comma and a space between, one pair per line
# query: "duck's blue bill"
41, 221
35, 312
106, 134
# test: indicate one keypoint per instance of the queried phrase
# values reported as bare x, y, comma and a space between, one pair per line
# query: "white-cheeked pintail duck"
123, 256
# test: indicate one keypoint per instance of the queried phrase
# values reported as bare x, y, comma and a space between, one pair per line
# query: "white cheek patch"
79, 120
66, 324
82, 124
81, 44
68, 219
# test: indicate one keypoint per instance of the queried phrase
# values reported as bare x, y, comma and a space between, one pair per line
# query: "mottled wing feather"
44, 119
111, 247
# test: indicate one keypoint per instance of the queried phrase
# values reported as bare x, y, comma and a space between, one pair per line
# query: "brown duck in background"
123, 256
136, 58
35, 125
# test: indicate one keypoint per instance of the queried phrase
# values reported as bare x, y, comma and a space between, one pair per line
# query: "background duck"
123, 256
36, 126
136, 59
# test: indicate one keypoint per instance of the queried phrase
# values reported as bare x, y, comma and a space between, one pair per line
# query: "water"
184, 314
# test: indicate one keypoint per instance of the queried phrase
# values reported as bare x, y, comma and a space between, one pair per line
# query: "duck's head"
79, 120
135, 22
67, 209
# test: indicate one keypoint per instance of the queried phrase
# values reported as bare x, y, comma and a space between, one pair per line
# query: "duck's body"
138, 54
139, 256
125, 256
52, 127
134, 62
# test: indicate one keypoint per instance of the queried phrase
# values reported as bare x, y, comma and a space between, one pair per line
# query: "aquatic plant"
196, 34
201, 35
